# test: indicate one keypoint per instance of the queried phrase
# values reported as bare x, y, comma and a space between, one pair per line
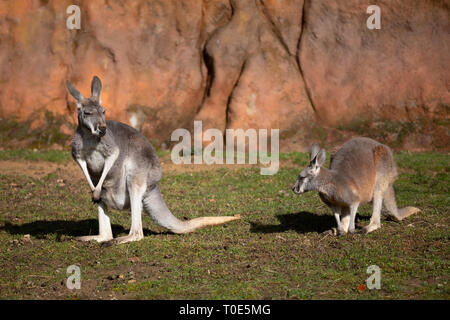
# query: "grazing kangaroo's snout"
306, 178
296, 187
302, 180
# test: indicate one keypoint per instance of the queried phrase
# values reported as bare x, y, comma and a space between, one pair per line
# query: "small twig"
268, 270
326, 235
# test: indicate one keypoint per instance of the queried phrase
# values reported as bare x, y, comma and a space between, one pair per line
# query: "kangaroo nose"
102, 130
296, 188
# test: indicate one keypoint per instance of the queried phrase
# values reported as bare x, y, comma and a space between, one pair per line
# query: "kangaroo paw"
96, 195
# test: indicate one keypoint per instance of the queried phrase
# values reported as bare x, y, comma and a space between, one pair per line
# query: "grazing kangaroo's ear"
313, 151
320, 158
96, 88
75, 93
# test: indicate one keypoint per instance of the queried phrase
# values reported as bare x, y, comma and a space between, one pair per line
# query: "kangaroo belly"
114, 192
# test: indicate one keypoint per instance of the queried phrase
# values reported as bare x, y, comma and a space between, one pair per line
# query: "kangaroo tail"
155, 206
392, 211
407, 211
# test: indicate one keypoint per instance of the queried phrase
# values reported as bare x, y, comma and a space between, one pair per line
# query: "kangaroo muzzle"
296, 187
102, 130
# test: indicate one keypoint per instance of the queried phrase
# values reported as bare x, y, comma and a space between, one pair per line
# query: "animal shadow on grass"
40, 229
301, 222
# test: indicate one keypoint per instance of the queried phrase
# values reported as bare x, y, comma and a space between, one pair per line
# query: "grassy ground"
275, 252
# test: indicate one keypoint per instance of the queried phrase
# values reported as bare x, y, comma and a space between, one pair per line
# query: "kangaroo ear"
313, 151
320, 158
75, 93
96, 88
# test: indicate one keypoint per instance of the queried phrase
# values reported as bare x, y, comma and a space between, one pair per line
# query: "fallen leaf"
26, 238
361, 287
134, 259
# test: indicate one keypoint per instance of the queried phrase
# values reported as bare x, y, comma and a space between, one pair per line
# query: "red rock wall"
232, 63
399, 72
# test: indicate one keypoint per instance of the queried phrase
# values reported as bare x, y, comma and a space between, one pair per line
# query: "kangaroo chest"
94, 154
327, 200
95, 161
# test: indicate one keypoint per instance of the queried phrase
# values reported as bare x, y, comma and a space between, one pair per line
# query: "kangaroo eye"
87, 113
103, 111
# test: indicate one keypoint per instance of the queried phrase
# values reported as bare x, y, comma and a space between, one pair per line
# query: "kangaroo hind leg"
136, 190
104, 226
345, 221
375, 220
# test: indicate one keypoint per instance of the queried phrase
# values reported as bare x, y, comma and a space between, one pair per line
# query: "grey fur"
362, 170
123, 171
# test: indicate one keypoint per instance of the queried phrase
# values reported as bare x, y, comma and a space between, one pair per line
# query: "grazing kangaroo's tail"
158, 211
407, 211
391, 206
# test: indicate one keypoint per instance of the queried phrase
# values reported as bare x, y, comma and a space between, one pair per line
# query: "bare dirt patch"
70, 169
38, 169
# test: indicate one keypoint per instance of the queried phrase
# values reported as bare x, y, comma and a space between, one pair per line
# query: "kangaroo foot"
97, 238
124, 239
370, 228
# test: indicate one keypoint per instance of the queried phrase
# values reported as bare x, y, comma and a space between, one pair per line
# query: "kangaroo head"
306, 178
91, 115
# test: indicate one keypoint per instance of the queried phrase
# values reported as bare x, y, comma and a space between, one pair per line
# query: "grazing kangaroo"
123, 171
362, 170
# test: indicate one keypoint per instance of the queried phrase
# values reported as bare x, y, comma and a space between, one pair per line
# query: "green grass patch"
37, 155
275, 251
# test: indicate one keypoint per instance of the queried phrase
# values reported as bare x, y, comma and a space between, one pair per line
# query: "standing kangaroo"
123, 171
362, 170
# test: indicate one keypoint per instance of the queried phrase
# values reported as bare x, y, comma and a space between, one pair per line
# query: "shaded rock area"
309, 68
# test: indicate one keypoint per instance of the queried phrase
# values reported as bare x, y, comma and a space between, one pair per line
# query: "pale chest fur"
94, 152
95, 161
